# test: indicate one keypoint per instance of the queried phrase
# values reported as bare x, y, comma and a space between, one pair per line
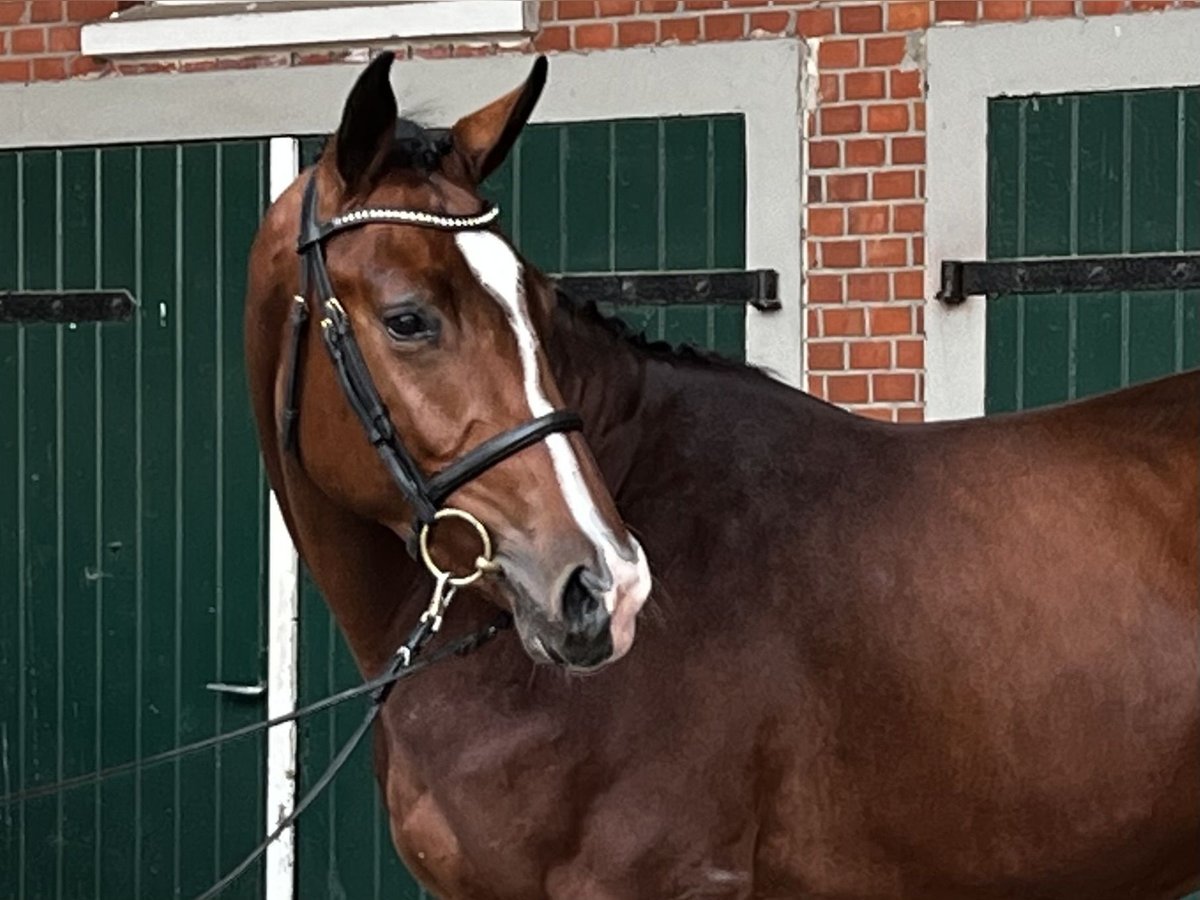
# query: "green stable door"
132, 511
1091, 174
646, 195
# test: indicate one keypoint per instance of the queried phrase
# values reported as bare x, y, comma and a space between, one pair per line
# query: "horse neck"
602, 376
362, 569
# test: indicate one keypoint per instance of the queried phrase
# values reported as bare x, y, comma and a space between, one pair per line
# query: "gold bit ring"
483, 562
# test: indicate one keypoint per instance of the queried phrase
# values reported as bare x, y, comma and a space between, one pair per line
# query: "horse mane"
589, 314
416, 147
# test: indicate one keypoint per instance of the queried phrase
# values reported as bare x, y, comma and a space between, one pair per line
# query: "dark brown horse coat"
955, 660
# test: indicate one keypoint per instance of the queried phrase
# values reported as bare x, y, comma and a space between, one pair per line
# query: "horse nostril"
582, 606
587, 640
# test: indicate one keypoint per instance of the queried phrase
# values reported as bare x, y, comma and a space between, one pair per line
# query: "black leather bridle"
426, 494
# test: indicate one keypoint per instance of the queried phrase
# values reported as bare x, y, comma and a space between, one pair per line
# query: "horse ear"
368, 122
482, 139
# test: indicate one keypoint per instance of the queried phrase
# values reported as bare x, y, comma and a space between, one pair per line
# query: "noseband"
426, 494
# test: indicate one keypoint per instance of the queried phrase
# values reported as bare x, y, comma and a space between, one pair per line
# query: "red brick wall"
865, 216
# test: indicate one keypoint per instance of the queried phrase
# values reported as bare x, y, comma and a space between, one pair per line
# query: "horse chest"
467, 804
535, 805
423, 834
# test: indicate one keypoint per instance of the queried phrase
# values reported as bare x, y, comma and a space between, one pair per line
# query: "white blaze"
499, 271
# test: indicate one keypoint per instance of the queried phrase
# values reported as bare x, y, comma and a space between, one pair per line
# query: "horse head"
436, 365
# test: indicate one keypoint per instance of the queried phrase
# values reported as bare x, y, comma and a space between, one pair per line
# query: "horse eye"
404, 326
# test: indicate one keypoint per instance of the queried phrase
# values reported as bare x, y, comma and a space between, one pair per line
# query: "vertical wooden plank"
1191, 228
686, 218
1151, 335
1153, 117
80, 564
11, 827
120, 819
637, 213
537, 181
1047, 161
728, 237
586, 224
1047, 167
40, 589
1154, 201
241, 523
636, 195
1191, 329
1004, 200
685, 161
352, 826
729, 192
1191, 170
1100, 174
1004, 178
161, 215
315, 654
1098, 344
196, 831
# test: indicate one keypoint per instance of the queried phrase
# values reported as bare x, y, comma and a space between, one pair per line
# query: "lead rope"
460, 647
445, 586
428, 625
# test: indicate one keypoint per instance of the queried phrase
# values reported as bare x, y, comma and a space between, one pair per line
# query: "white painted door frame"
968, 65
283, 615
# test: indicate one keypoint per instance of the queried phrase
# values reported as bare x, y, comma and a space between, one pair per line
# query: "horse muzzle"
591, 619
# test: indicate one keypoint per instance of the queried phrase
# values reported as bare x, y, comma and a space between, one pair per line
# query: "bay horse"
950, 660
